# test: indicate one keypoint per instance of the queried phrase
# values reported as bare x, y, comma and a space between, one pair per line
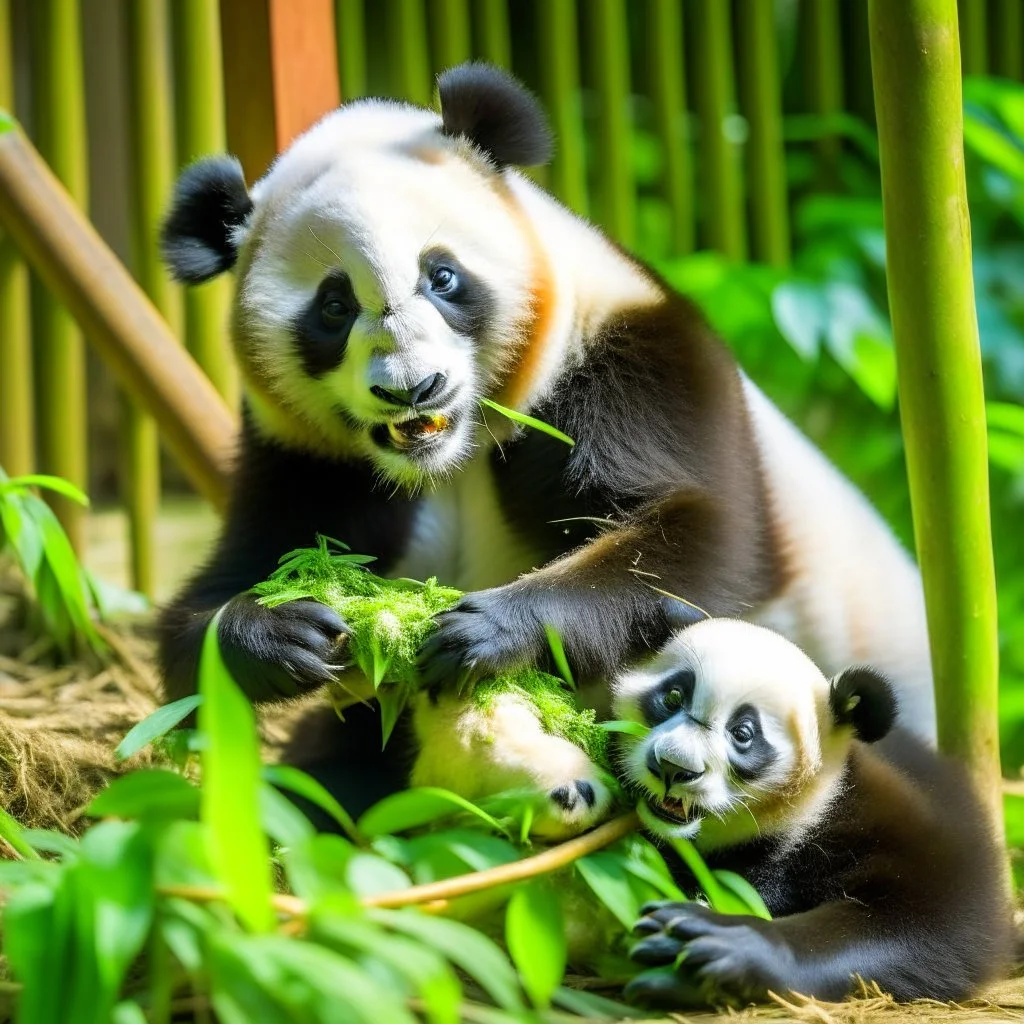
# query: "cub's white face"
740, 739
385, 285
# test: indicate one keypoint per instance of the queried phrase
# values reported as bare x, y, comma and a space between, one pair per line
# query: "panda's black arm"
912, 952
280, 500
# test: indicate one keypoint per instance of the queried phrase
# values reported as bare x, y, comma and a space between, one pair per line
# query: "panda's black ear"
210, 202
496, 113
679, 613
863, 698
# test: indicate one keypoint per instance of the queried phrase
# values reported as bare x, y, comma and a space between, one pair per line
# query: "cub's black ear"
496, 113
210, 201
863, 698
679, 613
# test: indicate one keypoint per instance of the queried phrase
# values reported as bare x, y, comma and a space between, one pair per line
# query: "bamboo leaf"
528, 421
745, 892
229, 808
605, 874
51, 483
637, 729
535, 936
14, 835
148, 794
413, 808
558, 653
155, 725
297, 781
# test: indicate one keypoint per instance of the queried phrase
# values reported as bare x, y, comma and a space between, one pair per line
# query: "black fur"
653, 702
496, 113
900, 882
863, 698
210, 201
751, 761
321, 334
470, 308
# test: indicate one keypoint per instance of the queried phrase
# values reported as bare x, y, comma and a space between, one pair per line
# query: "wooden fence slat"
199, 116
761, 101
58, 100
64, 249
17, 429
668, 93
558, 44
350, 25
724, 223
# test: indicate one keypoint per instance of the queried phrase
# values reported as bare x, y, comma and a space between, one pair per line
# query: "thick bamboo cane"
915, 55
410, 61
495, 42
350, 23
452, 35
64, 249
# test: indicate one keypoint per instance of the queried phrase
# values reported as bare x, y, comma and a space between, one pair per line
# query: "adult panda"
870, 850
393, 268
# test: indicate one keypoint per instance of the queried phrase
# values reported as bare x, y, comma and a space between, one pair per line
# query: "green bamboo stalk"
17, 432
916, 61
495, 42
350, 24
610, 61
560, 83
824, 71
974, 33
761, 99
451, 32
410, 63
1008, 58
151, 140
58, 99
724, 226
668, 92
199, 110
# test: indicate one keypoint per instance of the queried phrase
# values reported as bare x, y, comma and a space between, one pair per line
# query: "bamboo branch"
915, 55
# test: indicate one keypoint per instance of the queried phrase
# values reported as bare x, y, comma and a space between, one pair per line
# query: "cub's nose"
418, 394
670, 772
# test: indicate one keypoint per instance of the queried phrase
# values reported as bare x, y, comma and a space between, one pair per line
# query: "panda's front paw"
727, 959
573, 807
282, 651
487, 632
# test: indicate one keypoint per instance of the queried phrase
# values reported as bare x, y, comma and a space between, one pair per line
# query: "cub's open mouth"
418, 430
675, 812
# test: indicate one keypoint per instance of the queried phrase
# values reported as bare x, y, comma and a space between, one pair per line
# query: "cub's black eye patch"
750, 753
462, 298
674, 693
321, 330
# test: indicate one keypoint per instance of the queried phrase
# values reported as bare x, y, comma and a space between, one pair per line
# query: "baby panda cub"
871, 851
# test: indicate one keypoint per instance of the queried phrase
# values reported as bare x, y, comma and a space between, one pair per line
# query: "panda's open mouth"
675, 812
412, 433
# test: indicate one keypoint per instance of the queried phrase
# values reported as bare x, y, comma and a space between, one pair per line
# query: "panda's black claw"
656, 950
663, 988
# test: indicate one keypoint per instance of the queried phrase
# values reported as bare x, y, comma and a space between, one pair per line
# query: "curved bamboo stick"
129, 334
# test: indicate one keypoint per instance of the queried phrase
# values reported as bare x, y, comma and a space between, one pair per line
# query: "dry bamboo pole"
824, 71
668, 92
63, 248
560, 81
350, 24
974, 33
724, 226
916, 63
452, 35
151, 140
199, 113
58, 96
17, 430
1008, 58
495, 43
410, 62
761, 101
610, 62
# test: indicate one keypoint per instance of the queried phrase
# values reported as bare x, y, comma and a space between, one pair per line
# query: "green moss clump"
390, 619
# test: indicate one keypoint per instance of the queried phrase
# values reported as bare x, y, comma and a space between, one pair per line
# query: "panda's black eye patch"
321, 330
750, 753
462, 298
672, 694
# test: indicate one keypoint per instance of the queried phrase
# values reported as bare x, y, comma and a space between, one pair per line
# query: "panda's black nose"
418, 394
669, 771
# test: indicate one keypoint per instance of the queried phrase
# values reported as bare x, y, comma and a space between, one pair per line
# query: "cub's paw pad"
281, 651
573, 807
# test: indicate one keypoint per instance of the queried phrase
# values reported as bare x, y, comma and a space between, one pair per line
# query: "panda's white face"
740, 737
385, 287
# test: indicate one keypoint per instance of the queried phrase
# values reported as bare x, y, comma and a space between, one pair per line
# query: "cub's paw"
282, 651
573, 807
486, 633
727, 959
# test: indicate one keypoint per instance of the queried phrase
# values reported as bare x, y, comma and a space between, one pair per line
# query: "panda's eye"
742, 733
334, 311
443, 281
673, 699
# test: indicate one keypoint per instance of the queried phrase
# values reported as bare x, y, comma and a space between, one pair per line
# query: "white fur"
736, 663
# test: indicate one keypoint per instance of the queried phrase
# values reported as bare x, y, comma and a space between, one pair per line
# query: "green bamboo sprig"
916, 60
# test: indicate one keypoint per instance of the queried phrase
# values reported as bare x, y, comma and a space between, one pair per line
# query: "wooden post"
280, 74
915, 55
